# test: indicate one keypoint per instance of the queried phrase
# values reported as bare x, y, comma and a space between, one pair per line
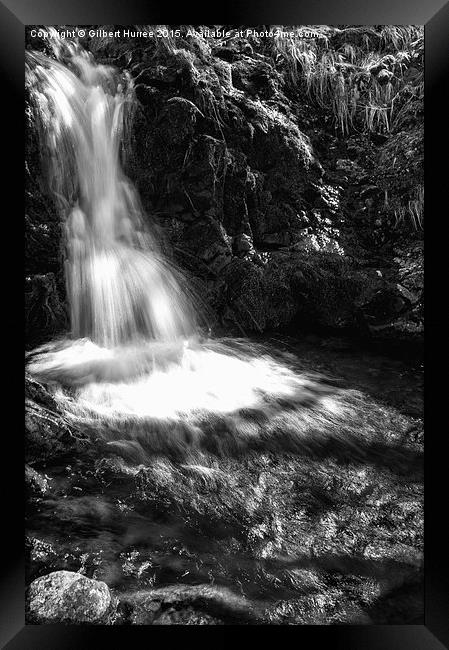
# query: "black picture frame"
434, 14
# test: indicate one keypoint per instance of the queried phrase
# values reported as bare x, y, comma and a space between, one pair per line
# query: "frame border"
434, 15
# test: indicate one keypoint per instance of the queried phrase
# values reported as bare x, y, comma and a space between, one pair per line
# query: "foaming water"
119, 286
230, 383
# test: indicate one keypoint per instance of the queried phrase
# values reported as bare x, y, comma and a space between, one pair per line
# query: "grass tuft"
359, 73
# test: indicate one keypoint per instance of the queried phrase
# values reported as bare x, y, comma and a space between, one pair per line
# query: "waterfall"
132, 354
120, 288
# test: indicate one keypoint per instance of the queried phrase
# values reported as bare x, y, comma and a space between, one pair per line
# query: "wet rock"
67, 597
41, 554
39, 394
48, 434
36, 483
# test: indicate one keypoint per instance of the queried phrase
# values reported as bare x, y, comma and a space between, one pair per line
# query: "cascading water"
132, 354
119, 287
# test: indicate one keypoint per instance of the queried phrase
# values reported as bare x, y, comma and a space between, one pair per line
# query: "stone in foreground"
68, 597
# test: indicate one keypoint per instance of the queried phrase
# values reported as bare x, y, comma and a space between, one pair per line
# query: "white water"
174, 382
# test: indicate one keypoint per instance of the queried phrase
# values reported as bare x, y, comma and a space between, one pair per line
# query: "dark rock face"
252, 183
45, 309
46, 314
256, 191
67, 597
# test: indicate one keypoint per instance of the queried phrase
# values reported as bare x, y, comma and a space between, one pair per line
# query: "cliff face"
285, 178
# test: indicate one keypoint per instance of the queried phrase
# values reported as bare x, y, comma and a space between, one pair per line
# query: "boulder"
68, 597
